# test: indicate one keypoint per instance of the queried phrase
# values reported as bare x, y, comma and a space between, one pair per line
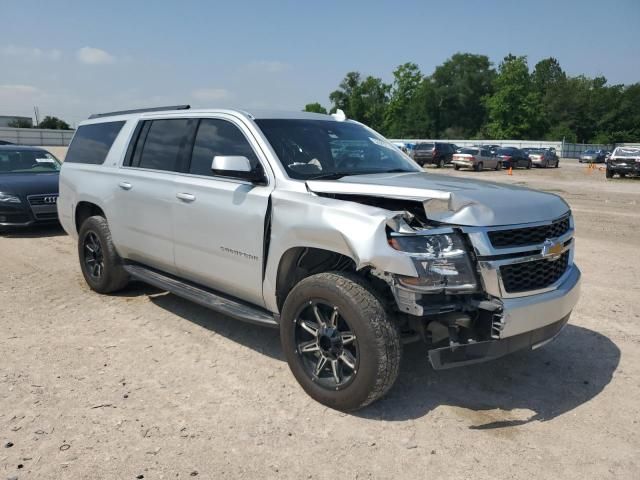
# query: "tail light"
473, 159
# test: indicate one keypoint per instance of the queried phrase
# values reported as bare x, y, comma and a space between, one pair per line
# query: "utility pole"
37, 113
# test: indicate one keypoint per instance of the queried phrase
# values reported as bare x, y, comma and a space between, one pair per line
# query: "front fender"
302, 219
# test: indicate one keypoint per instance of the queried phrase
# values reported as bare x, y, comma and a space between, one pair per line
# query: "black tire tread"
387, 336
118, 278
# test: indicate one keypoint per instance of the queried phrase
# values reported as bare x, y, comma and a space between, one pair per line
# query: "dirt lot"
144, 383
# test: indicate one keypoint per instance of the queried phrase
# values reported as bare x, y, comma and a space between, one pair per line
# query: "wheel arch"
84, 210
298, 263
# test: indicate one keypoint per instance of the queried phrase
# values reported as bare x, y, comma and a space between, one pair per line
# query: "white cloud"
94, 56
211, 94
30, 53
268, 66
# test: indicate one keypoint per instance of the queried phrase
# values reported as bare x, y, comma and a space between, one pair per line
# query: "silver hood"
459, 201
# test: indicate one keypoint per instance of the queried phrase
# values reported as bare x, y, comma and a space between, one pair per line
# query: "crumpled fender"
302, 219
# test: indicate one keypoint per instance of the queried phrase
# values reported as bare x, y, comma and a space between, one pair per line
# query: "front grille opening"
518, 237
527, 276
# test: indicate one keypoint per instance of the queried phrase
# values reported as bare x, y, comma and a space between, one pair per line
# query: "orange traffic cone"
510, 171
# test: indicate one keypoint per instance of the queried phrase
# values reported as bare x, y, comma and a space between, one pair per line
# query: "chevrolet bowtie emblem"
551, 249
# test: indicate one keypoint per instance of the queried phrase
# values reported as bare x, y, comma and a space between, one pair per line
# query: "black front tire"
376, 340
440, 163
608, 173
100, 263
479, 166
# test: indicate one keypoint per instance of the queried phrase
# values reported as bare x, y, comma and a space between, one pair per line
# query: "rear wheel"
339, 341
456, 167
529, 165
478, 166
498, 165
100, 263
440, 163
557, 163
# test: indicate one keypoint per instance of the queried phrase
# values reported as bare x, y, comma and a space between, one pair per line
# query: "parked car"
491, 147
543, 157
513, 157
624, 161
318, 226
28, 186
593, 156
476, 158
438, 154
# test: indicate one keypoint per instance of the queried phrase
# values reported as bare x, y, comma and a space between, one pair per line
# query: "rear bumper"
527, 323
628, 168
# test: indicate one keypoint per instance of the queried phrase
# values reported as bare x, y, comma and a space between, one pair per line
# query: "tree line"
466, 97
53, 123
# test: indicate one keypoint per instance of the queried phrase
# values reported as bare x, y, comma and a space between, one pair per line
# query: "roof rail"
140, 110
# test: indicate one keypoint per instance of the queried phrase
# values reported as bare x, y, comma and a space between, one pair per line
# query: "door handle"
125, 185
186, 197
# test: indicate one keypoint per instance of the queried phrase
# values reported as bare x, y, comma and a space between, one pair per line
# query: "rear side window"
92, 143
162, 144
218, 137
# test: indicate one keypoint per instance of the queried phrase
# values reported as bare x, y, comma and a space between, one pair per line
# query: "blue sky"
75, 58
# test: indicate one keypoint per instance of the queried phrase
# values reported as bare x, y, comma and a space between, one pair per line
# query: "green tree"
406, 113
53, 123
362, 100
314, 107
460, 85
20, 123
514, 107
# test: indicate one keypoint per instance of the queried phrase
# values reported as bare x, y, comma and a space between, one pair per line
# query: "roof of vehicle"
21, 147
254, 114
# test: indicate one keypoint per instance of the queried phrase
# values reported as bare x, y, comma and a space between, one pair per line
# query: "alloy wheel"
93, 256
326, 345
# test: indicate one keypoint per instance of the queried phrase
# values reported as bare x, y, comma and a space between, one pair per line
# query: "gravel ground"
146, 385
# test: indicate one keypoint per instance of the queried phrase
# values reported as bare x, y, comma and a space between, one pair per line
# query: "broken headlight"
441, 260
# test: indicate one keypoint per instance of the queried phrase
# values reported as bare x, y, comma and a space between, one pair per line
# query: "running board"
203, 296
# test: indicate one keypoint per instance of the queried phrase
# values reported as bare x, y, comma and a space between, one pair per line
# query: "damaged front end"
450, 299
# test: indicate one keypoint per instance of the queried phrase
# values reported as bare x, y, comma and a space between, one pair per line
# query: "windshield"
28, 161
323, 148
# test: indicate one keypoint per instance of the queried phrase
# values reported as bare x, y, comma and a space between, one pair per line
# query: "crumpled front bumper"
527, 323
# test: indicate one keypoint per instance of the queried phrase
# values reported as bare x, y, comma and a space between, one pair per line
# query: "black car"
28, 186
624, 161
513, 157
430, 153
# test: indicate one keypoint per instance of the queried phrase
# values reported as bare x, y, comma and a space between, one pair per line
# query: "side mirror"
237, 166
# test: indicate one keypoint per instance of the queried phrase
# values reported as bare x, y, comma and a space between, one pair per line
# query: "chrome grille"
535, 275
529, 235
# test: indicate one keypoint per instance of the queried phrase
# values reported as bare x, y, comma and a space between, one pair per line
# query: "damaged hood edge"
465, 202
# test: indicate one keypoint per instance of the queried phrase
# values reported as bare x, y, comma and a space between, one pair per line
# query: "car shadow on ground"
538, 385
39, 231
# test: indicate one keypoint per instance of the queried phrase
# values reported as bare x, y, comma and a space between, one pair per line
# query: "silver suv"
318, 226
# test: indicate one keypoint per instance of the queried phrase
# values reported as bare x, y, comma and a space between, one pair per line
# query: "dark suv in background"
430, 153
513, 157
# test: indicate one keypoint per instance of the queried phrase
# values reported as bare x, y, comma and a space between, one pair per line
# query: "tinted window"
469, 151
163, 143
506, 151
218, 137
425, 146
91, 143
